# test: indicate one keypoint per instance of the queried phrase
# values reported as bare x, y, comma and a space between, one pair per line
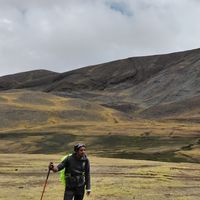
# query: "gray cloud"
62, 35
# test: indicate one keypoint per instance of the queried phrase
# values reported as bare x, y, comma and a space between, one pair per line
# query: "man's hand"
88, 192
51, 166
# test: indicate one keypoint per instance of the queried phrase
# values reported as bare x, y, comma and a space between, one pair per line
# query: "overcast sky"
61, 35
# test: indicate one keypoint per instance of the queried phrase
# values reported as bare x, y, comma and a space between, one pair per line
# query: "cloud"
120, 6
63, 35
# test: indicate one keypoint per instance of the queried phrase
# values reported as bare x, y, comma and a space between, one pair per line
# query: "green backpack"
62, 172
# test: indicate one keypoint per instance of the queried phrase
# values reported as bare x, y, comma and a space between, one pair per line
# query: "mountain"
141, 107
135, 85
30, 79
138, 83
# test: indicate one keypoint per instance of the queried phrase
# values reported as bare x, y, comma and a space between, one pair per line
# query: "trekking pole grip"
51, 166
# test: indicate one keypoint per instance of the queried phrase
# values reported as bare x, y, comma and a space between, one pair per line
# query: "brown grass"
37, 122
22, 177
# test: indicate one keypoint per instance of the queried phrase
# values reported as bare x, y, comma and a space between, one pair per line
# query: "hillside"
24, 109
141, 108
38, 122
132, 85
30, 79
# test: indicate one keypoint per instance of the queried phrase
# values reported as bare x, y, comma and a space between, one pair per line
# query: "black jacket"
75, 167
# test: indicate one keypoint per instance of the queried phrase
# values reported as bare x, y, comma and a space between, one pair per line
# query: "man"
77, 173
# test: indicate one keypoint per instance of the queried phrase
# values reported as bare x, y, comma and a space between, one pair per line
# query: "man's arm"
87, 177
59, 167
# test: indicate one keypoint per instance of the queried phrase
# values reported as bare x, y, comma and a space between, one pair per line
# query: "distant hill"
131, 85
30, 79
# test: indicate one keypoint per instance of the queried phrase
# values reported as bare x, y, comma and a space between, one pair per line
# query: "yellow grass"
45, 123
22, 177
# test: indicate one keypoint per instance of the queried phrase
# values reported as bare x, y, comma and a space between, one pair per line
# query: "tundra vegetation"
138, 116
23, 176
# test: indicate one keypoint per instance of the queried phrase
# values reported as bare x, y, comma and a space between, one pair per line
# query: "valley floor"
22, 177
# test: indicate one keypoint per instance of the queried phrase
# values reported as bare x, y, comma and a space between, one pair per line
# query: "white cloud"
62, 35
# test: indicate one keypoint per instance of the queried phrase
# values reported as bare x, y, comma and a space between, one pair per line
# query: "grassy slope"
24, 109
36, 122
113, 179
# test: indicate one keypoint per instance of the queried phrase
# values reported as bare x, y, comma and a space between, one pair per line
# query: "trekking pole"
45, 182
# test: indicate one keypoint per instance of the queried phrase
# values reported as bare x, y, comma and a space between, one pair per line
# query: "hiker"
77, 173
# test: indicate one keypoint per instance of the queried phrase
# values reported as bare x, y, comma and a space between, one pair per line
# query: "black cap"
78, 146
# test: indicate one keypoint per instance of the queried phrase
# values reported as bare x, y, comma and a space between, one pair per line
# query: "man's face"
81, 152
